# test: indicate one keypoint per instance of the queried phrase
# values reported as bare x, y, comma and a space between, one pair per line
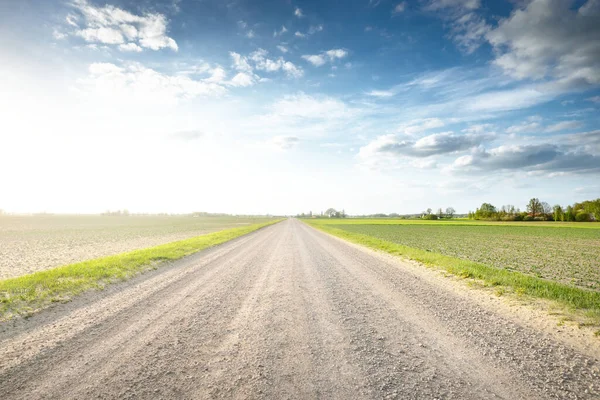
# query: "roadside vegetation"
27, 294
559, 263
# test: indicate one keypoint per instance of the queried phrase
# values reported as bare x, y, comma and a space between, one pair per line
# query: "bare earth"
34, 243
286, 312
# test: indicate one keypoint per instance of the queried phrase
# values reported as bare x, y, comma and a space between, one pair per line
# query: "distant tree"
330, 212
450, 212
486, 211
569, 214
429, 211
440, 213
558, 213
534, 207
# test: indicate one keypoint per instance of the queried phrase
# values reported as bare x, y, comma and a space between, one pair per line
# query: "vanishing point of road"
287, 312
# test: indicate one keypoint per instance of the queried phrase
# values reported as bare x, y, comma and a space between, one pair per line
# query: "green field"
557, 261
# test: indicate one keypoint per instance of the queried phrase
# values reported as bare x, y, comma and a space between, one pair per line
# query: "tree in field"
330, 212
558, 213
450, 212
569, 214
429, 211
534, 207
486, 211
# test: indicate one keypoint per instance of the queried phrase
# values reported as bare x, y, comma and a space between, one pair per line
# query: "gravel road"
286, 312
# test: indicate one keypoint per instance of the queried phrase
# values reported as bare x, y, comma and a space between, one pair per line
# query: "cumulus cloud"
300, 34
542, 158
258, 60
240, 62
130, 47
242, 79
549, 39
111, 25
263, 63
431, 145
321, 59
298, 13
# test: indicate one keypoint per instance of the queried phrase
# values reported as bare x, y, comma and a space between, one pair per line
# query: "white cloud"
564, 125
250, 34
525, 127
259, 57
399, 8
282, 48
431, 145
419, 126
58, 35
314, 29
133, 82
280, 32
595, 99
110, 24
319, 60
102, 35
548, 39
298, 13
380, 93
316, 60
242, 79
435, 5
300, 34
240, 62
130, 47
72, 20
467, 28
541, 158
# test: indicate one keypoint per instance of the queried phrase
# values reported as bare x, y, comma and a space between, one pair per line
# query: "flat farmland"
34, 243
566, 253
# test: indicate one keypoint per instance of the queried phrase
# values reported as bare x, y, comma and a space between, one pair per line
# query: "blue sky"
291, 106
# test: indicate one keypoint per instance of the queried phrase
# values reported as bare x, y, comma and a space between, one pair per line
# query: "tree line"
537, 210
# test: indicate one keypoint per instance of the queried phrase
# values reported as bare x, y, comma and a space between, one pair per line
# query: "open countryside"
300, 199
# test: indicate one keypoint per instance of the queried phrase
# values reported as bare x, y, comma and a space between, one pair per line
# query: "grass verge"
580, 301
28, 294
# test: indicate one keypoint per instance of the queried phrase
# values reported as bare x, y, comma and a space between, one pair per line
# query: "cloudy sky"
284, 106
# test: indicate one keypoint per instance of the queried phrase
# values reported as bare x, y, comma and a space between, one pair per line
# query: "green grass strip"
30, 293
574, 298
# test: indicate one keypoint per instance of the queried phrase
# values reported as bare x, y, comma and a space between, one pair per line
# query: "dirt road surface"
287, 312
